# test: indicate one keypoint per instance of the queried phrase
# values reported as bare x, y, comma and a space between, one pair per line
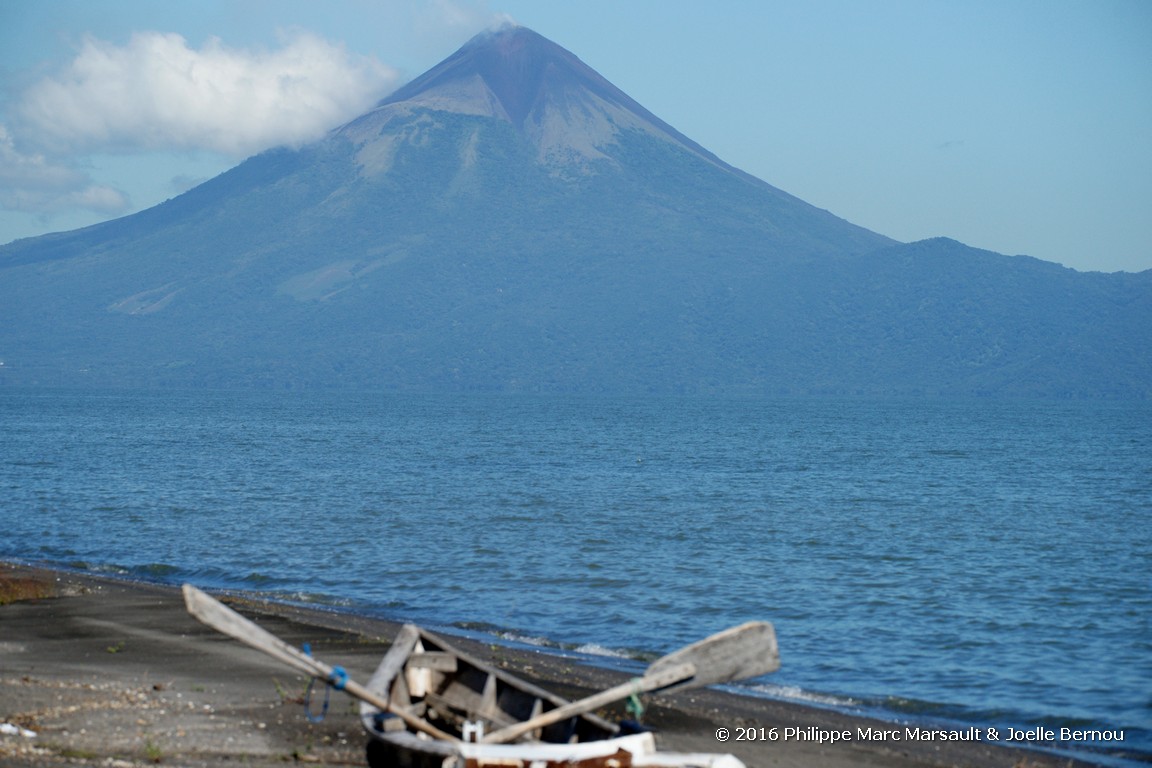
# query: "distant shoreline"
85, 634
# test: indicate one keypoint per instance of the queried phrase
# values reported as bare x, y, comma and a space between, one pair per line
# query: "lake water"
982, 563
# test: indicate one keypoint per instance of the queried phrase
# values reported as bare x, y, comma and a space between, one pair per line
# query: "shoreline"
106, 669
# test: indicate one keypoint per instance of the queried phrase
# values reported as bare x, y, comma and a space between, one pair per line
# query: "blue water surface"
974, 562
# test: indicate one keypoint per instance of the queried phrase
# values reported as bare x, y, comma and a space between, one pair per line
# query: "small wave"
309, 599
162, 571
512, 636
477, 626
795, 693
517, 637
539, 642
260, 580
106, 569
948, 453
593, 649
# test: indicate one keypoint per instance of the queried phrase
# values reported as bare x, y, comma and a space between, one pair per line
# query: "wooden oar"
745, 651
223, 619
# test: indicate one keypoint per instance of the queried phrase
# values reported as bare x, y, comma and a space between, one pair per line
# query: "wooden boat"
469, 699
431, 705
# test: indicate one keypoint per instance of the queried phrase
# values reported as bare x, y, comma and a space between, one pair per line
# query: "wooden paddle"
223, 619
748, 650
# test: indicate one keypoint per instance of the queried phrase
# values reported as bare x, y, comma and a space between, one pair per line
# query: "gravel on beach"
97, 671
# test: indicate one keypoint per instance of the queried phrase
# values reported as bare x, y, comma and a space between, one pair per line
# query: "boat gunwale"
396, 660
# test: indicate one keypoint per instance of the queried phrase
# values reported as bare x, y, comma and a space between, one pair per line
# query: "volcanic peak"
517, 65
563, 106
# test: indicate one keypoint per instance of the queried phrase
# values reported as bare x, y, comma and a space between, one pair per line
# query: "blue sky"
1020, 126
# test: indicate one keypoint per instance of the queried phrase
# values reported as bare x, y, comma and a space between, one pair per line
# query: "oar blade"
748, 650
225, 620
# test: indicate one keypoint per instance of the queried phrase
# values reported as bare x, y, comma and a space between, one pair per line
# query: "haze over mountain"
510, 220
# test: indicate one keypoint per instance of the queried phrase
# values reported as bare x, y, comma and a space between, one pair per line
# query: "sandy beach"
98, 671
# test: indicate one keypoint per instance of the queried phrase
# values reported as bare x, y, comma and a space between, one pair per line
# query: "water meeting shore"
101, 671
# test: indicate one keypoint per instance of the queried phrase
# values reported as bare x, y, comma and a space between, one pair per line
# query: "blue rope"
312, 717
337, 678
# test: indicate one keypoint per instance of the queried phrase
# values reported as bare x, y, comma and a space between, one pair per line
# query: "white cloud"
457, 15
157, 93
32, 183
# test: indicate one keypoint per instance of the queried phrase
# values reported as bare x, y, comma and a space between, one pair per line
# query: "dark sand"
117, 674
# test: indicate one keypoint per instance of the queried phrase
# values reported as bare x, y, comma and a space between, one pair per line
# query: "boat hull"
466, 697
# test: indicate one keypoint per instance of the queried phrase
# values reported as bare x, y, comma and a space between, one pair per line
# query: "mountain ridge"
512, 221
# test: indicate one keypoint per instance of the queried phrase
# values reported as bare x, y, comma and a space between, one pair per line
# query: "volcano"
511, 221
